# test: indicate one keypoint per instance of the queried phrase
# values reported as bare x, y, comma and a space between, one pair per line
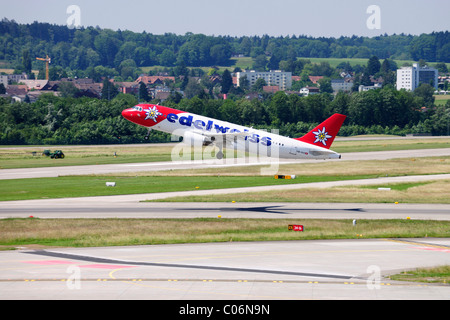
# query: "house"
162, 95
306, 91
271, 89
315, 79
362, 88
128, 87
35, 84
151, 80
16, 90
93, 90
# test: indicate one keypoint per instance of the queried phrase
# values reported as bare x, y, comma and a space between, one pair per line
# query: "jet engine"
195, 139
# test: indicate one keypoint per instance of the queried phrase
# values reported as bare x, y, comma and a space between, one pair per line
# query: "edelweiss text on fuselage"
199, 124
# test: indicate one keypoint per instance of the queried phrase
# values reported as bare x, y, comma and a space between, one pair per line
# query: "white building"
345, 85
273, 78
306, 91
410, 78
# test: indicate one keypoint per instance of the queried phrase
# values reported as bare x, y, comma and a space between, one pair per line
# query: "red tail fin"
323, 135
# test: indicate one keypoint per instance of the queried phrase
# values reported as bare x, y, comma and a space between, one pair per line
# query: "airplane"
206, 131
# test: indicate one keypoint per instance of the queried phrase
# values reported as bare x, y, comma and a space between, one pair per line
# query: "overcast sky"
327, 18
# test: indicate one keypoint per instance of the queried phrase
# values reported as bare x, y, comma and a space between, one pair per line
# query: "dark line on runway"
184, 266
271, 209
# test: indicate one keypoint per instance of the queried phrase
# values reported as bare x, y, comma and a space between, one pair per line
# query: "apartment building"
273, 78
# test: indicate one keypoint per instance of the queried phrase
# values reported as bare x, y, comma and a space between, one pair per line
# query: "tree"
143, 93
259, 84
227, 81
325, 85
68, 89
425, 91
109, 90
167, 58
373, 66
260, 63
279, 108
365, 79
387, 73
193, 89
244, 84
26, 61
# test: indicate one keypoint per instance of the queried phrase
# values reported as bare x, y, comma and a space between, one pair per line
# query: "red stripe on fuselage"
148, 115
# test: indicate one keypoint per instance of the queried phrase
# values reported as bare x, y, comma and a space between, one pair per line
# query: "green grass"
121, 232
428, 275
86, 186
431, 192
21, 157
441, 100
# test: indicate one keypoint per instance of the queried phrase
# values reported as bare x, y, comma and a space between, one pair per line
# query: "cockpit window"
137, 108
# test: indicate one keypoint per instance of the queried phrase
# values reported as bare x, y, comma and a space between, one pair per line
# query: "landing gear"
220, 145
147, 136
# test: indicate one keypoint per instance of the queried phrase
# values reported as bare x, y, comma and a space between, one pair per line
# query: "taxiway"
328, 269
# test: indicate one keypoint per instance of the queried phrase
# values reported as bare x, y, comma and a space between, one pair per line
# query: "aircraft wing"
229, 136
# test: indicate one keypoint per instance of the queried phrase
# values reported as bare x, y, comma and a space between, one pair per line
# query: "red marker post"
295, 227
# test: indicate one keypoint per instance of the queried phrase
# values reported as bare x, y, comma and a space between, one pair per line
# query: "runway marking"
421, 244
434, 249
48, 262
112, 278
104, 266
167, 265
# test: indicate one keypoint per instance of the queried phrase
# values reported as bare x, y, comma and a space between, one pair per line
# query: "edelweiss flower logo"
322, 136
152, 113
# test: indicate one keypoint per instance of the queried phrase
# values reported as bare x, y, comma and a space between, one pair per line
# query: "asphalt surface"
263, 271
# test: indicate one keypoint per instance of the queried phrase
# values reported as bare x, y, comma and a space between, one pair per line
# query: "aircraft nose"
126, 114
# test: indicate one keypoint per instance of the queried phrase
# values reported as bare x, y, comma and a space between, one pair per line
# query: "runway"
49, 172
263, 271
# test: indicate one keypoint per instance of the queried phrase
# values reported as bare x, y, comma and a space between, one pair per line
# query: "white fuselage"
255, 141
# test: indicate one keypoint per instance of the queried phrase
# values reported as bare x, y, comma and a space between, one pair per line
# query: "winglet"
323, 135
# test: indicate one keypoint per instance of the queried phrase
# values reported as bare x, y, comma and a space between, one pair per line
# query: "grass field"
429, 275
22, 157
87, 186
118, 232
441, 100
247, 63
429, 192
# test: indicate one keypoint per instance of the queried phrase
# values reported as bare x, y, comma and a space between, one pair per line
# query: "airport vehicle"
57, 154
204, 131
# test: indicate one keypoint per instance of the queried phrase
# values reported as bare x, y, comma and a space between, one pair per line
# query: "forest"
60, 121
79, 49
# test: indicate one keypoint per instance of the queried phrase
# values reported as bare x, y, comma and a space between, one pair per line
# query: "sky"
322, 18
